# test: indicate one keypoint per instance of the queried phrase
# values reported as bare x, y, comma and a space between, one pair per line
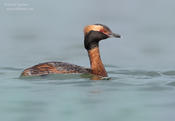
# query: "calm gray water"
141, 64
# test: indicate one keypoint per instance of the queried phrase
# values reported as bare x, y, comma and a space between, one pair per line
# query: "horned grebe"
92, 35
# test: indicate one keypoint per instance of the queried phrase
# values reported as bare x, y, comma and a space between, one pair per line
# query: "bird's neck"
97, 66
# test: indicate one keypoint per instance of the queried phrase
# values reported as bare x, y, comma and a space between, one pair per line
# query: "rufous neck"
97, 66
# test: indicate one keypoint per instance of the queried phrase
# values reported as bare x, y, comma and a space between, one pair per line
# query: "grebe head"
94, 33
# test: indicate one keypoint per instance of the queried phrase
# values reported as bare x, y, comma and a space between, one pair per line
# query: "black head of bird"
94, 33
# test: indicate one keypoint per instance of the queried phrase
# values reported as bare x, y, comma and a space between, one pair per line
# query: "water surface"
140, 64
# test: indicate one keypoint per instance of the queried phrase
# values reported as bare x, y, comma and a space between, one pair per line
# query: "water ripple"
154, 88
1, 73
169, 73
171, 83
11, 68
111, 66
137, 73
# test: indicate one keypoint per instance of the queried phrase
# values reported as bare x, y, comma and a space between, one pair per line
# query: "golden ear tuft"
89, 28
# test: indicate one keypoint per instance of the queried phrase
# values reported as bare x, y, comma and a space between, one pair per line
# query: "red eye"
102, 30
